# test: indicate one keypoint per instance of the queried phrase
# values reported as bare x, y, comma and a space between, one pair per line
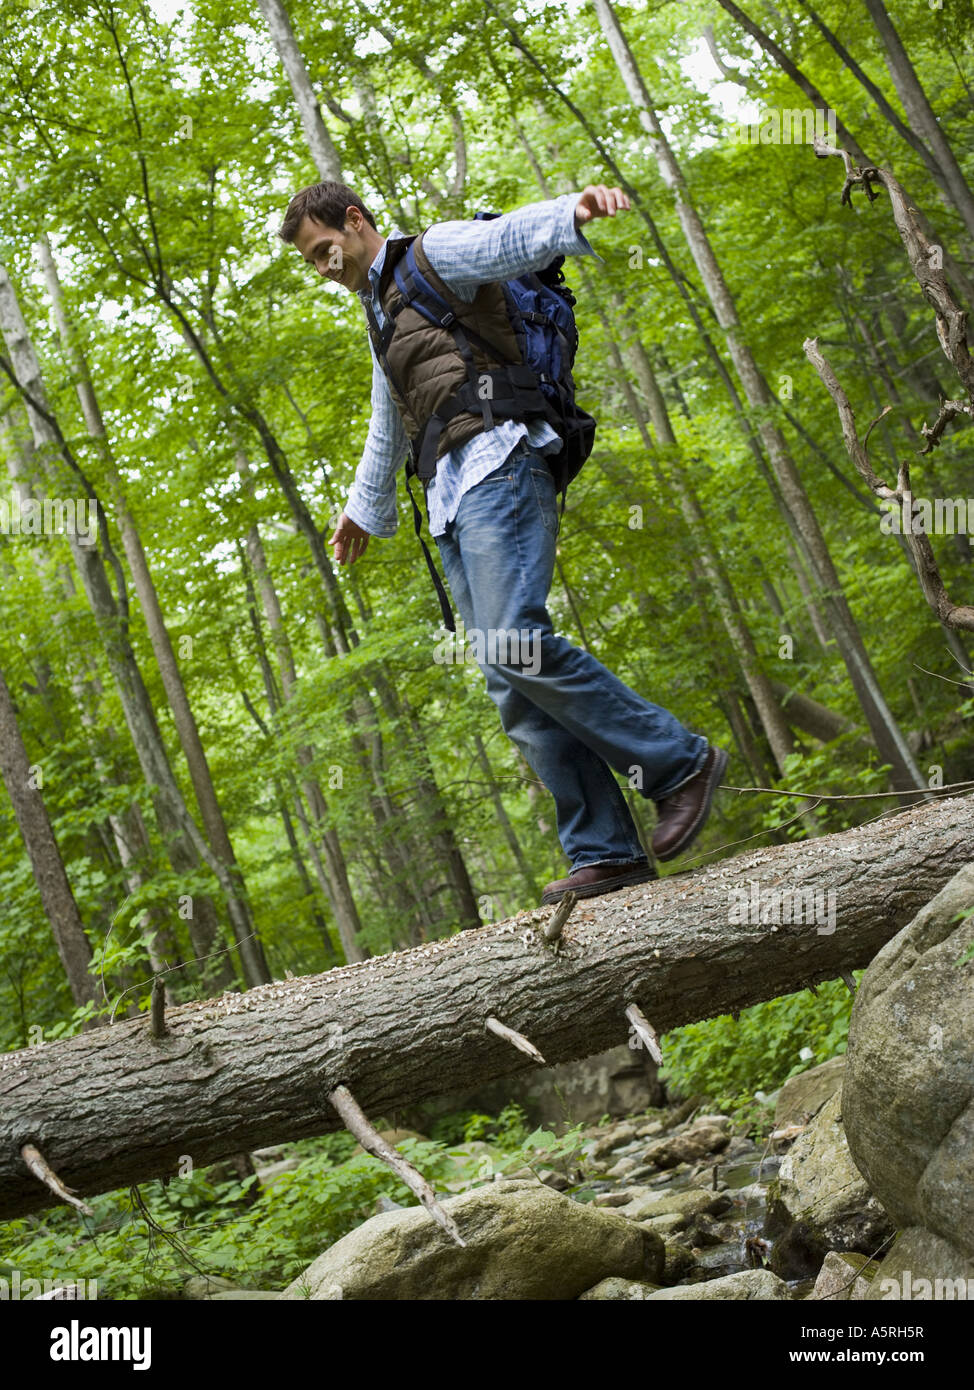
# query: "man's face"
342, 256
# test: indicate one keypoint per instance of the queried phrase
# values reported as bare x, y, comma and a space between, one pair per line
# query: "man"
493, 512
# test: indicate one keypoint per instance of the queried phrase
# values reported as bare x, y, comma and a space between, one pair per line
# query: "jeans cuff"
591, 863
661, 796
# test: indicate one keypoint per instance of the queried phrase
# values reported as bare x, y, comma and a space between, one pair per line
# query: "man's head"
334, 231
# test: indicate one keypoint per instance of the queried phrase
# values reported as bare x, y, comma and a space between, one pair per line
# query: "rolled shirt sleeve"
371, 501
468, 254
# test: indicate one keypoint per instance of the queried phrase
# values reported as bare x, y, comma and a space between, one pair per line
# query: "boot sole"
716, 772
596, 890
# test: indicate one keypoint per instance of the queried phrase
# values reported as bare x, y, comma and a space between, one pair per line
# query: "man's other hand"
349, 541
599, 201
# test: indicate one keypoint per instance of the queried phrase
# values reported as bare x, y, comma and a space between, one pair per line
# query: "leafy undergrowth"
145, 1243
770, 1042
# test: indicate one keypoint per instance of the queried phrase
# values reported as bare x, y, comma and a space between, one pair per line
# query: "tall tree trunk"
920, 113
185, 844
327, 161
320, 143
245, 933
892, 745
335, 873
45, 858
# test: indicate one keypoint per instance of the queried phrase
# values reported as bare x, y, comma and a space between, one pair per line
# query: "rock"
623, 1168
647, 1131
802, 1096
740, 1148
752, 1192
720, 1121
748, 1284
909, 1082
523, 1242
641, 1172
274, 1170
685, 1204
717, 1261
688, 1147
208, 1285
242, 1295
820, 1201
705, 1231
620, 1197
922, 1265
269, 1155
679, 1261
386, 1204
557, 1181
682, 1112
611, 1289
845, 1274
613, 1138
664, 1225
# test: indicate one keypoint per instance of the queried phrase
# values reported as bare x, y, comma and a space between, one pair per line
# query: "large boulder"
923, 1266
748, 1284
908, 1094
802, 1096
612, 1290
820, 1201
845, 1275
523, 1241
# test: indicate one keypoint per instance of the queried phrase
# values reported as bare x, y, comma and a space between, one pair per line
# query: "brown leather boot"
594, 879
683, 815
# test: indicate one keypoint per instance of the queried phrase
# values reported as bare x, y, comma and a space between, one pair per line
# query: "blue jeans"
573, 720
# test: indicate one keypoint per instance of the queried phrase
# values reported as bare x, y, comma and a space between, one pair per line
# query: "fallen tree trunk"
812, 717
129, 1102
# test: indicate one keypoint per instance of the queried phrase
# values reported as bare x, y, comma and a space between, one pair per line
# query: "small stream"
736, 1239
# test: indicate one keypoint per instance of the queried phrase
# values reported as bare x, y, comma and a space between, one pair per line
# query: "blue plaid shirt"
465, 255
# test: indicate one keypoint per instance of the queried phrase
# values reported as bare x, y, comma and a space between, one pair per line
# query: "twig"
157, 1020
645, 1030
43, 1171
849, 796
372, 1141
553, 927
494, 1025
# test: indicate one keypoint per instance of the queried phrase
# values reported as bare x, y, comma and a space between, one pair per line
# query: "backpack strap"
441, 593
420, 295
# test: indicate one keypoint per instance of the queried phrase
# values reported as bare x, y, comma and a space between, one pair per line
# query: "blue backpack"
539, 305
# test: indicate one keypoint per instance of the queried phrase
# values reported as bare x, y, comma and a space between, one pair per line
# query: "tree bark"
921, 115
320, 143
57, 898
247, 1070
251, 951
886, 732
185, 845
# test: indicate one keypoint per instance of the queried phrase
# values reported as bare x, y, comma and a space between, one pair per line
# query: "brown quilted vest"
425, 366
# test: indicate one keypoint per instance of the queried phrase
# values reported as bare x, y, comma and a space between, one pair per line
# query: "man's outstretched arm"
370, 509
468, 254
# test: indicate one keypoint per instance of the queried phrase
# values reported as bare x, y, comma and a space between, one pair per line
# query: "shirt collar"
375, 269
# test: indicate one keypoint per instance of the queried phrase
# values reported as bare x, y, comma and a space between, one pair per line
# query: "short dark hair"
327, 203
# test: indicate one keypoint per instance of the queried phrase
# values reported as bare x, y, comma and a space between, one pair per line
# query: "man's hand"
599, 201
349, 541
